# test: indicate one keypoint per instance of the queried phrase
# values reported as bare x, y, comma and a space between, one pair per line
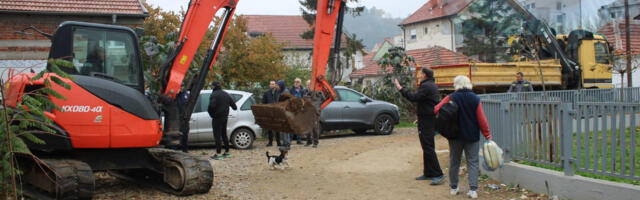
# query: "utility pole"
628, 36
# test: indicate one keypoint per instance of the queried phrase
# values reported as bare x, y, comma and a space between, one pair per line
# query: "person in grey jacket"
520, 85
426, 97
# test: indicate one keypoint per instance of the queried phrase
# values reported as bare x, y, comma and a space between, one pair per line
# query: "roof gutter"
74, 13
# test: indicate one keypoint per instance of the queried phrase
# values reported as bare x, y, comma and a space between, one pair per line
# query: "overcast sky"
292, 7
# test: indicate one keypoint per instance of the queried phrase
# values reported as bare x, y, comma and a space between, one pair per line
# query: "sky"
292, 7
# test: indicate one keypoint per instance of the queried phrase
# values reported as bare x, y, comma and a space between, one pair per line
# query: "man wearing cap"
219, 103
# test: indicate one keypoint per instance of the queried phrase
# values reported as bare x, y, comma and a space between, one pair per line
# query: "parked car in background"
241, 127
354, 110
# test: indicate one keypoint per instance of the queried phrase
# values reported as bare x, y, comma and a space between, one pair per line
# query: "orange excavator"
108, 124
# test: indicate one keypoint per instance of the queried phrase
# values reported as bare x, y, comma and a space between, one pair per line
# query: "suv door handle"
347, 107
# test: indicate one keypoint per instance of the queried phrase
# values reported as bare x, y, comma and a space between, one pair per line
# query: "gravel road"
346, 166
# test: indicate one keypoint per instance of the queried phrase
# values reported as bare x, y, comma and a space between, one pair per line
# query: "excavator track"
181, 174
57, 179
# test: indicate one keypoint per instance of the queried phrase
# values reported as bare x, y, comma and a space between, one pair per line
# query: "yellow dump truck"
591, 55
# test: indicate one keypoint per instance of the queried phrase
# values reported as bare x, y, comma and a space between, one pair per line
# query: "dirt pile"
290, 115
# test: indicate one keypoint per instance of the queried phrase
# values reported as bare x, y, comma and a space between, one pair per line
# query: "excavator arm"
297, 115
196, 22
328, 12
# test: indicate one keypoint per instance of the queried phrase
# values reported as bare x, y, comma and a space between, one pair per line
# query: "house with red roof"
615, 33
287, 29
20, 49
436, 23
439, 23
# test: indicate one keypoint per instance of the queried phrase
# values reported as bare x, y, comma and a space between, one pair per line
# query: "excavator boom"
297, 115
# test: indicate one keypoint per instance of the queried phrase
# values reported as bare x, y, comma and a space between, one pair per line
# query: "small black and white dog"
279, 162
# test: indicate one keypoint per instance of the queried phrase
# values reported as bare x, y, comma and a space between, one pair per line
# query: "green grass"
405, 124
599, 164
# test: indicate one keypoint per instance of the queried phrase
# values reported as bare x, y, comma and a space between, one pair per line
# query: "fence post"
566, 128
506, 129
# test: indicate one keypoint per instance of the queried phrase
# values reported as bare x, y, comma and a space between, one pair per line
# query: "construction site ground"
344, 166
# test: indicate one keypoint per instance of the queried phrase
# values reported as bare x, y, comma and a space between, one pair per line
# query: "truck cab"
593, 54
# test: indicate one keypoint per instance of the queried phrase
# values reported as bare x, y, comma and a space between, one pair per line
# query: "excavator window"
105, 54
602, 53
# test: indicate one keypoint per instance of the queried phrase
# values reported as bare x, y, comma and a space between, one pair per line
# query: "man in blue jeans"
219, 103
298, 91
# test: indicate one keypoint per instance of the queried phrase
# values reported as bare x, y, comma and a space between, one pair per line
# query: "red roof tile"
437, 55
621, 48
371, 67
428, 57
283, 28
436, 9
123, 7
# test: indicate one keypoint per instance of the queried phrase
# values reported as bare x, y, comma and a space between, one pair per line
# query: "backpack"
447, 120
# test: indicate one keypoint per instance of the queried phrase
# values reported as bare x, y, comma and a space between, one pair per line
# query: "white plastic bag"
492, 156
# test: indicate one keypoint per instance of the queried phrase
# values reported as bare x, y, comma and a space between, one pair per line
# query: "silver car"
241, 127
354, 110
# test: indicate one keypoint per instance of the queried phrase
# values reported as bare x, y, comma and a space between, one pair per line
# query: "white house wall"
439, 32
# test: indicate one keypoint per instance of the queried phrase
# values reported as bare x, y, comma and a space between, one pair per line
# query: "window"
106, 54
560, 18
602, 53
533, 5
413, 34
235, 97
203, 103
559, 6
348, 95
426, 30
247, 104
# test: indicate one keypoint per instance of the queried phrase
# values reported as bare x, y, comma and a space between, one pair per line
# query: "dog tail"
267, 154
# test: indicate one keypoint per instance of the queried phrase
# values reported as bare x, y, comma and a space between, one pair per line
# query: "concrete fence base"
565, 187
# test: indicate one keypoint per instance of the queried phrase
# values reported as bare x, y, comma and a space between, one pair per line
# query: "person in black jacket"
426, 97
271, 96
219, 103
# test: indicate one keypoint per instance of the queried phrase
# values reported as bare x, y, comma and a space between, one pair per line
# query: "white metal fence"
590, 131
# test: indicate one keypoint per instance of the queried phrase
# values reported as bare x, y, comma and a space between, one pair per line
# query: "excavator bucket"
290, 115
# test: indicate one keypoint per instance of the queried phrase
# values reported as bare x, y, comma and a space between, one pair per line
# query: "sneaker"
423, 177
315, 145
453, 191
437, 180
216, 157
269, 144
226, 155
472, 194
308, 144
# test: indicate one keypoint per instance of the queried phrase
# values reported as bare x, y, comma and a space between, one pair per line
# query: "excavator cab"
98, 50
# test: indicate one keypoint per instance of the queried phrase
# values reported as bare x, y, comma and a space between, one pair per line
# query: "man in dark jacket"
426, 97
286, 137
219, 103
271, 96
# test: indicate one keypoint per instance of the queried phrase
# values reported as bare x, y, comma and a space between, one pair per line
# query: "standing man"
426, 97
286, 137
219, 104
298, 91
520, 85
181, 99
312, 137
271, 96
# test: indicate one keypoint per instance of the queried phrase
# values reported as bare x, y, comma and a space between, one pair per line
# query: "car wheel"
242, 138
359, 131
383, 124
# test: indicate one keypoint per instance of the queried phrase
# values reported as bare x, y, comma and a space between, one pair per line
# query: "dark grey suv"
355, 111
